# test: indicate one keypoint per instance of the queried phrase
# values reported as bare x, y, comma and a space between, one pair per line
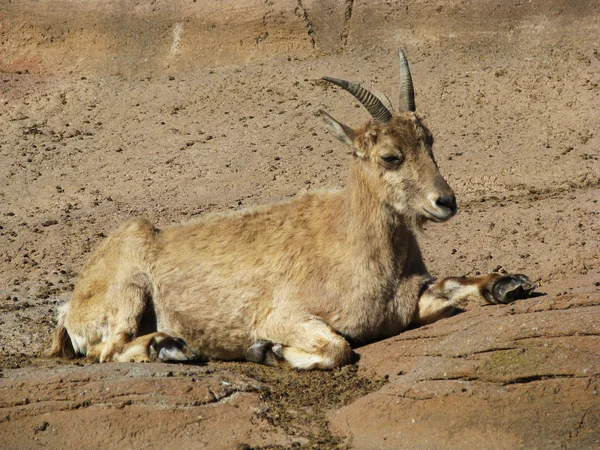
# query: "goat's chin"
436, 216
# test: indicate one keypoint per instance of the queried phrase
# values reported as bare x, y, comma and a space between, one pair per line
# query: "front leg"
441, 298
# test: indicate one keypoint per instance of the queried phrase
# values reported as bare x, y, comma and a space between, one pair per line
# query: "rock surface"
128, 405
173, 109
523, 376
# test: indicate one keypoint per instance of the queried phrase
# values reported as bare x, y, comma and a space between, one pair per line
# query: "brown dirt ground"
170, 110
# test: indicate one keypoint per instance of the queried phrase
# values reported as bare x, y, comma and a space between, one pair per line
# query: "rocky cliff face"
126, 37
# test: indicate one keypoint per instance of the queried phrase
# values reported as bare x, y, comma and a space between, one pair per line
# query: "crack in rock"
552, 336
349, 5
302, 12
504, 382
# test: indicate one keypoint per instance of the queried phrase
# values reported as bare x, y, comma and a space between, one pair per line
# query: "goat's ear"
342, 132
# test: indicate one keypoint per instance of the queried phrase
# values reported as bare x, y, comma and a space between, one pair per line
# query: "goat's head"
395, 150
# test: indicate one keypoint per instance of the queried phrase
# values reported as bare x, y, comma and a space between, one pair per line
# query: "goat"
294, 283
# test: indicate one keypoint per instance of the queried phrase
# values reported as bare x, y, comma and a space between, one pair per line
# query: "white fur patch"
79, 343
433, 200
171, 354
456, 291
300, 359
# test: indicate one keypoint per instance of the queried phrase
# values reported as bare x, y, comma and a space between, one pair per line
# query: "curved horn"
407, 92
377, 109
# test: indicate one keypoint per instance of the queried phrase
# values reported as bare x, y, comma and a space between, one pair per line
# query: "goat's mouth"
440, 215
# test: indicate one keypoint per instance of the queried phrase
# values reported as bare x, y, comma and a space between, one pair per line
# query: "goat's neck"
374, 229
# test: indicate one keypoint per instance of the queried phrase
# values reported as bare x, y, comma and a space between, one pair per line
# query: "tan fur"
309, 274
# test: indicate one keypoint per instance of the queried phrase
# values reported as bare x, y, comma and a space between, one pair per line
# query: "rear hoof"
258, 351
169, 349
265, 352
509, 288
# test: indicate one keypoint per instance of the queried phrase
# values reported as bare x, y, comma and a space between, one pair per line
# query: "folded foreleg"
150, 347
300, 341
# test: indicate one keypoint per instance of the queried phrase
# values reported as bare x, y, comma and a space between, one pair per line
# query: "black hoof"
509, 288
265, 352
256, 353
169, 349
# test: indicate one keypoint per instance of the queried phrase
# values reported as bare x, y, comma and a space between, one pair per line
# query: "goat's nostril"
447, 202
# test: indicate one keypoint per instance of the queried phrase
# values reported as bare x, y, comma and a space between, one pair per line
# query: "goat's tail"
61, 341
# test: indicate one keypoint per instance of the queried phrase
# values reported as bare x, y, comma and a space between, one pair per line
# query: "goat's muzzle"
441, 208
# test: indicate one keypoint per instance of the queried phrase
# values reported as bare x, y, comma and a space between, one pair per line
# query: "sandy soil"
511, 93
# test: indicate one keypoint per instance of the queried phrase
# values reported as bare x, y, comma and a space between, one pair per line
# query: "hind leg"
155, 346
128, 300
150, 347
100, 322
301, 342
111, 293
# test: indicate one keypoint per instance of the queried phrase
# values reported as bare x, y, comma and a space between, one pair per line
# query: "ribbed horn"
377, 109
407, 92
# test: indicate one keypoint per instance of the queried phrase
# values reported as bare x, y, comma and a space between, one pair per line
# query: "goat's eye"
390, 158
